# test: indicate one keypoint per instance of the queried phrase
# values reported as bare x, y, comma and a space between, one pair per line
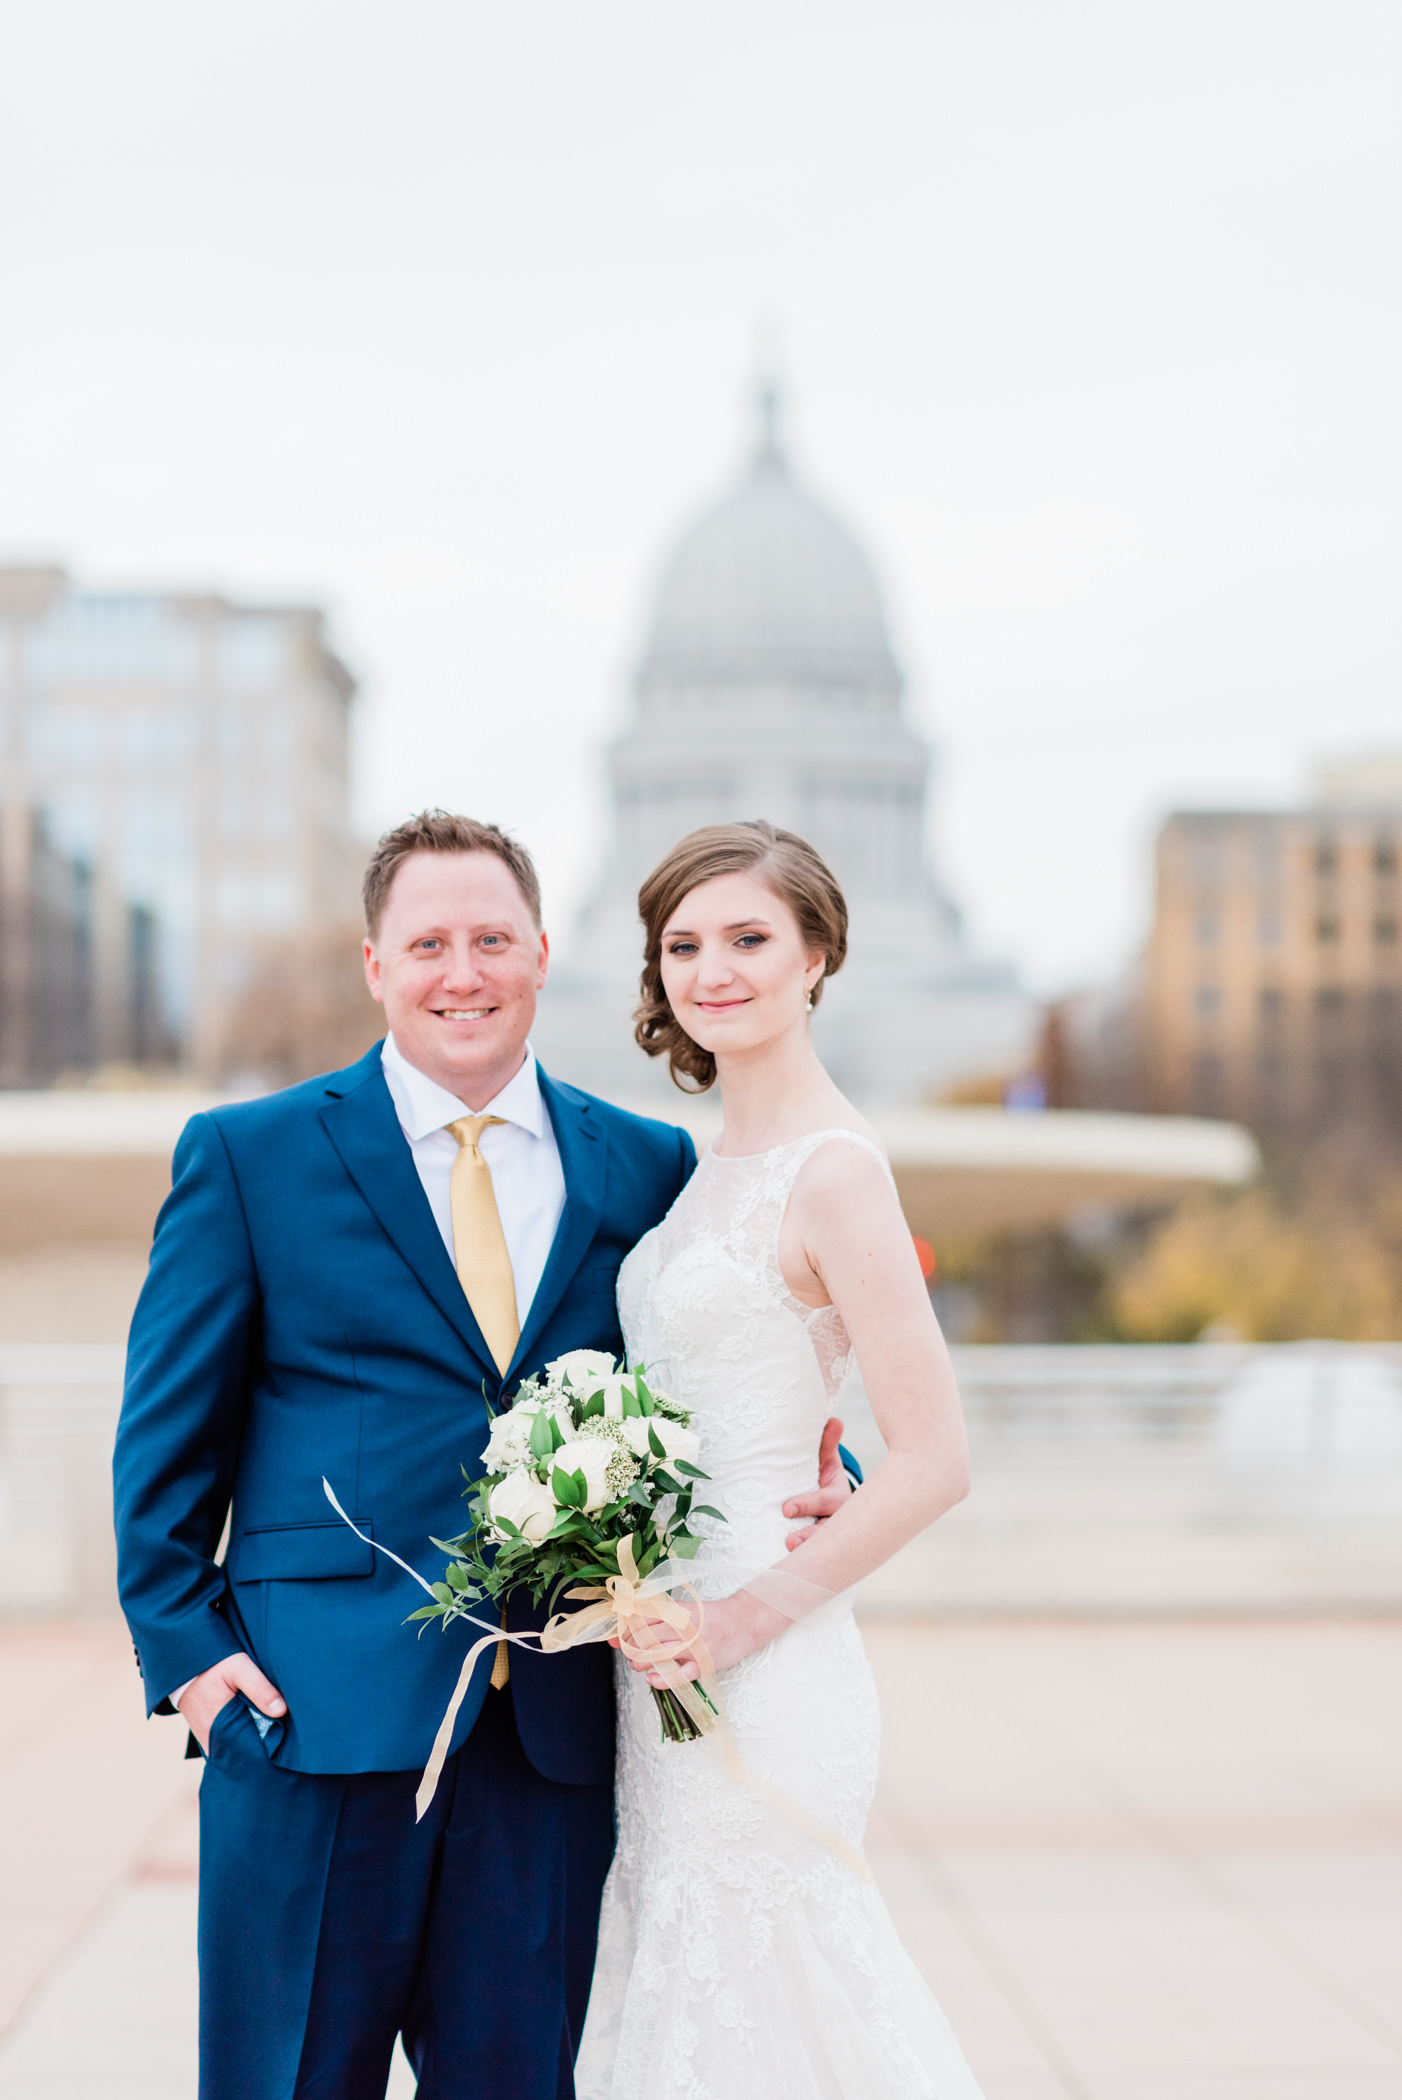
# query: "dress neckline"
837, 1130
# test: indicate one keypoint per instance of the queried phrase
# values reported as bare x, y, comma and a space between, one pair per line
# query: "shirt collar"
423, 1106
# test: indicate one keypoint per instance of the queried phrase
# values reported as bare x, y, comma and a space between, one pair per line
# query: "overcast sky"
441, 314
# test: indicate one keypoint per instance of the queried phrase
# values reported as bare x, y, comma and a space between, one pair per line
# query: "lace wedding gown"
738, 1959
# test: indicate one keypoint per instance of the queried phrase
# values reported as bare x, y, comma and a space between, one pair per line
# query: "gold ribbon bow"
622, 1605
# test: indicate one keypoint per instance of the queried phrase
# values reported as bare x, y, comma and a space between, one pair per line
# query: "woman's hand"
731, 1629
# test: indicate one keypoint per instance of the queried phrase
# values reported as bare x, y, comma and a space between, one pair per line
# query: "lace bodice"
703, 1300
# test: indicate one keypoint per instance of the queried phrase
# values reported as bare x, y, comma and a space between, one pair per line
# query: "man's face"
456, 962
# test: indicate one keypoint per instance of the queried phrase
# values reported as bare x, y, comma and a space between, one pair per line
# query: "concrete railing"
1143, 1479
58, 1416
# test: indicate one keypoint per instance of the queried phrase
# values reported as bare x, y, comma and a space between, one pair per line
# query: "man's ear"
542, 961
372, 970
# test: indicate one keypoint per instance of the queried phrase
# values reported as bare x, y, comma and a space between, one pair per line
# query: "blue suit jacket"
302, 1317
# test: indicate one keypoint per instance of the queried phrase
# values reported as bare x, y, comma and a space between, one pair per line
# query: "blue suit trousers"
330, 1922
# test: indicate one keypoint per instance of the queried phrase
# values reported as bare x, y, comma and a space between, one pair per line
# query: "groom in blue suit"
343, 1276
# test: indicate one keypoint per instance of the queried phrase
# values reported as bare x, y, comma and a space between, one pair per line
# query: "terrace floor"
1137, 1860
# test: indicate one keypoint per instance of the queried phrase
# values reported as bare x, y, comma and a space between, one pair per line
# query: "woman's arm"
844, 1240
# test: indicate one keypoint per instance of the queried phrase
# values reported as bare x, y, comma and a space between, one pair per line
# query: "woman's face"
734, 966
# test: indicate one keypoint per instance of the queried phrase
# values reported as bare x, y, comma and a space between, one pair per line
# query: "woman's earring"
809, 1003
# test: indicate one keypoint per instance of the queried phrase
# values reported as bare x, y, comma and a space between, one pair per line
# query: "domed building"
768, 688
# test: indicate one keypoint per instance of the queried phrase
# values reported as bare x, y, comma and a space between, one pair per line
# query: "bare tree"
305, 1008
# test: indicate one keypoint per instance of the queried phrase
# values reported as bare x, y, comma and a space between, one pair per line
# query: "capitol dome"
768, 585
768, 688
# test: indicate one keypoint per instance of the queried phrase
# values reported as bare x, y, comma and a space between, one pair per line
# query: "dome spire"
769, 452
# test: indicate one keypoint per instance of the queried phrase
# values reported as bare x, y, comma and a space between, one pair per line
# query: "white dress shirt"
527, 1178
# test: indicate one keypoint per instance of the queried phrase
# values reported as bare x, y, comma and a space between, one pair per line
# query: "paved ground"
1155, 1861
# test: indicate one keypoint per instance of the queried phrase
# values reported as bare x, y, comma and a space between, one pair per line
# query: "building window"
1326, 928
1268, 928
1385, 857
1385, 930
1326, 857
1207, 999
1270, 1002
1329, 1002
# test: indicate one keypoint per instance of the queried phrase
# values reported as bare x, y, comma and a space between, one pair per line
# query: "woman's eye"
682, 948
752, 940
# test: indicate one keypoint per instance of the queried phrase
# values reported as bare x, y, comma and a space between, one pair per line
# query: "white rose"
676, 1441
614, 1387
591, 1456
510, 1440
527, 1504
635, 1428
586, 1369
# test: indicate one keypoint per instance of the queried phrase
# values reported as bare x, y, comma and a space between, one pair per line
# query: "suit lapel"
583, 1144
360, 1121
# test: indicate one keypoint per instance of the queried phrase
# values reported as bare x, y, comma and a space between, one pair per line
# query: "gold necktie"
484, 1271
479, 1244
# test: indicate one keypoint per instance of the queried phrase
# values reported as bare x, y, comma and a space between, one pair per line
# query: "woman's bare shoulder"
839, 1167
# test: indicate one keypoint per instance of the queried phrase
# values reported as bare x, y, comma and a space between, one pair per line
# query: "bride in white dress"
738, 1958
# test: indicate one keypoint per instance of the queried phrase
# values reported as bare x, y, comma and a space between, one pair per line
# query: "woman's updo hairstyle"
785, 864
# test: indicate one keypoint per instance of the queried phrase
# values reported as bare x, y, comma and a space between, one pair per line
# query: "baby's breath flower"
623, 1468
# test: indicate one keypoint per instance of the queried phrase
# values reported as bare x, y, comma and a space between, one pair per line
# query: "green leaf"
683, 1545
568, 1488
682, 1465
645, 1399
655, 1444
665, 1481
640, 1493
442, 1592
425, 1611
594, 1405
557, 1434
458, 1577
704, 1509
542, 1442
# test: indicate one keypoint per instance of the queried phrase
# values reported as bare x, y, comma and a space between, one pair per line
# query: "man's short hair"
439, 831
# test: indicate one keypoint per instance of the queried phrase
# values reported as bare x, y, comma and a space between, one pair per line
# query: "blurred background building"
1270, 988
768, 687
174, 810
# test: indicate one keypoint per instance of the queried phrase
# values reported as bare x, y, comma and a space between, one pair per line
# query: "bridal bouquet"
589, 1477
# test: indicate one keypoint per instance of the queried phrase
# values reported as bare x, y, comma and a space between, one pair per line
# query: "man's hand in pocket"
204, 1695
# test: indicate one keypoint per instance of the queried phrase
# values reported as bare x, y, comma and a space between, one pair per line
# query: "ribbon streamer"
622, 1606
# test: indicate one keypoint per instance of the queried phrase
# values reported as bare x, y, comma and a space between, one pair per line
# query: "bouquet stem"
677, 1724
